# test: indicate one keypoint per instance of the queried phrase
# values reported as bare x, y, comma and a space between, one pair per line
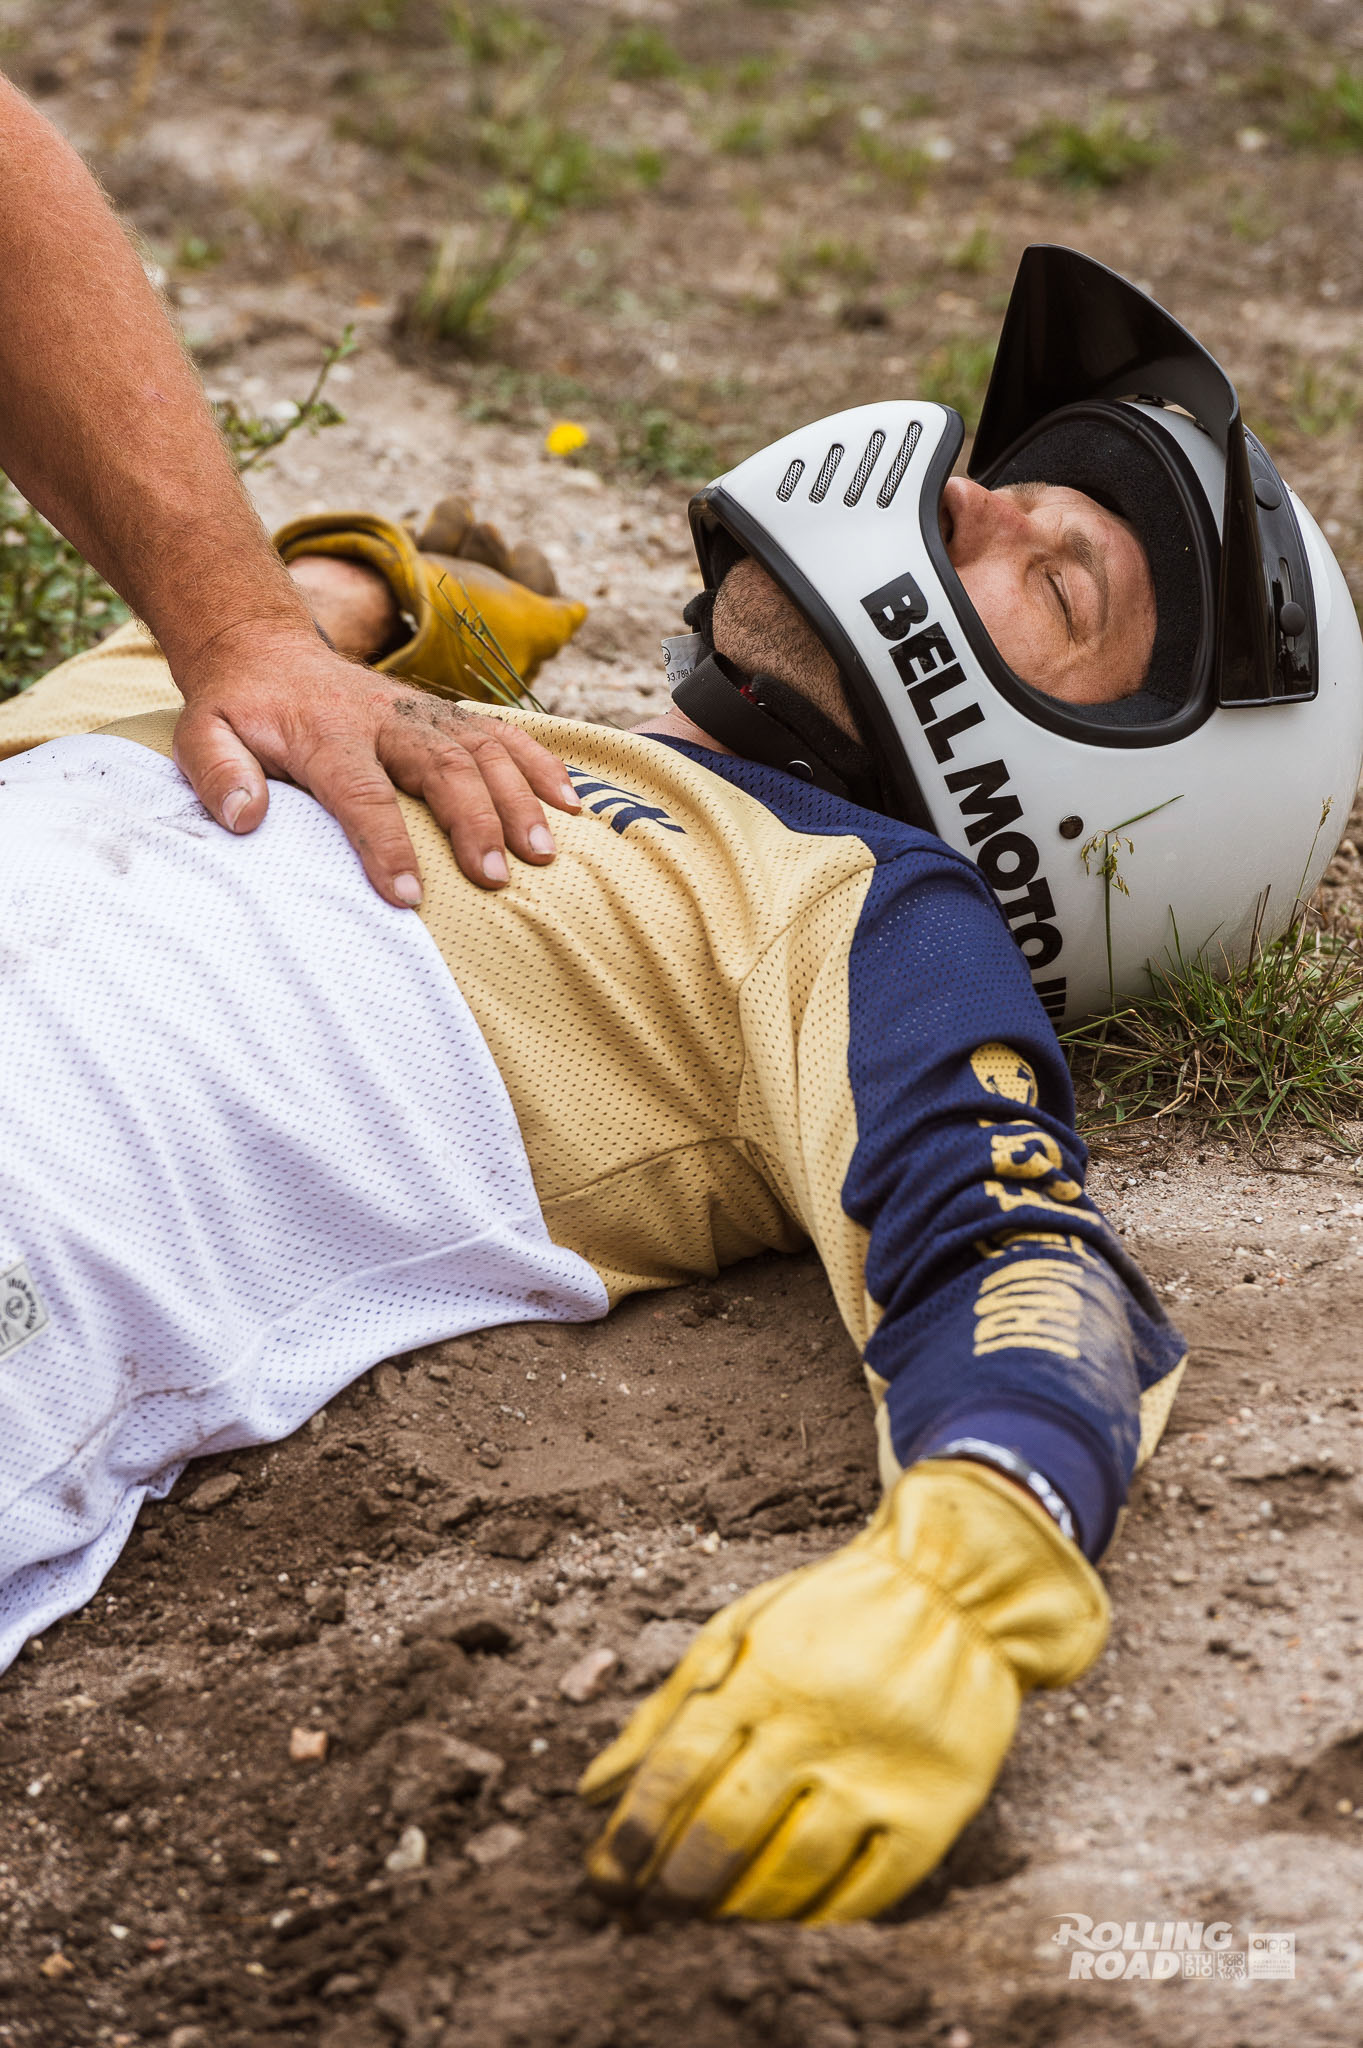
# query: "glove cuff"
996, 1555
515, 629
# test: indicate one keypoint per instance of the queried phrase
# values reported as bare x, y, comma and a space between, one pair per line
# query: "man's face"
1062, 587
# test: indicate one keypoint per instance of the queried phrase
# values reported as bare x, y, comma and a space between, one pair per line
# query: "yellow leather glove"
443, 654
826, 1737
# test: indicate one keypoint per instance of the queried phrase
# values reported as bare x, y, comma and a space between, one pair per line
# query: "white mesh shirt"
252, 1142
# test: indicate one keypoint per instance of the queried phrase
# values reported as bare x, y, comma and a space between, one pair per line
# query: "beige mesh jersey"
736, 1013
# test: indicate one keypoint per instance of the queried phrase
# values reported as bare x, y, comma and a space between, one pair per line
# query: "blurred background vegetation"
691, 223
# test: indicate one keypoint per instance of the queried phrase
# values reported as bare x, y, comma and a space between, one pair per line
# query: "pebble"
327, 1603
189, 2037
1181, 1578
655, 1650
456, 1508
214, 1493
307, 1745
56, 1966
521, 1539
489, 1456
343, 1985
589, 1677
494, 1844
410, 1853
387, 1383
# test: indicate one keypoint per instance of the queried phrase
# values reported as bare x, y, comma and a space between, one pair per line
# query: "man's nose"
980, 520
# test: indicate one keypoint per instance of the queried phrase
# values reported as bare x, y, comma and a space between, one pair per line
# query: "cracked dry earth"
302, 1774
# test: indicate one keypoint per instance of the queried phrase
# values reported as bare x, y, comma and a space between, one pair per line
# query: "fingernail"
407, 889
541, 839
570, 797
233, 804
494, 866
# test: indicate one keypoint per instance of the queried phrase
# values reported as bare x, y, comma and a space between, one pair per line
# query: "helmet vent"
870, 458
818, 490
895, 475
785, 490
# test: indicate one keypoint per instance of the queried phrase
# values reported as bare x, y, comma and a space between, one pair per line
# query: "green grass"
51, 601
1110, 150
642, 53
976, 254
1321, 402
253, 436
802, 263
957, 374
1329, 116
898, 163
1253, 1047
345, 18
52, 604
660, 445
749, 135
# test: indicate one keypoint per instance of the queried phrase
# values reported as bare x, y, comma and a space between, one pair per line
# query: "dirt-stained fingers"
485, 782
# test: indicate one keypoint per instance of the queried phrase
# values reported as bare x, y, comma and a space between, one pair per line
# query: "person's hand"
826, 1737
269, 702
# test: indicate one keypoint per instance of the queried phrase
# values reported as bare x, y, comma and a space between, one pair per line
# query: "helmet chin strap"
765, 720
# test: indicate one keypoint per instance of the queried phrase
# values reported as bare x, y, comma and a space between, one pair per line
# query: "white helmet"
1249, 719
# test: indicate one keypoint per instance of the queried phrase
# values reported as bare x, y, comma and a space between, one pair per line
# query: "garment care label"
22, 1314
681, 652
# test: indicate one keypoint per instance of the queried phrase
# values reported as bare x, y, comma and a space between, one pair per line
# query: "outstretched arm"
104, 427
827, 1736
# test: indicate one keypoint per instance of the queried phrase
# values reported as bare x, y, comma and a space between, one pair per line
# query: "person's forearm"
103, 424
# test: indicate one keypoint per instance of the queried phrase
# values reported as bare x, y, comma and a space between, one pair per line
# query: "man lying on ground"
265, 1129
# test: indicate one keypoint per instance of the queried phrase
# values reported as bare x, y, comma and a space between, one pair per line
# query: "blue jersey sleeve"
1010, 1310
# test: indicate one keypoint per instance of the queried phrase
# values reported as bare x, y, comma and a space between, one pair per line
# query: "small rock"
489, 1456
588, 1678
326, 1602
56, 1967
520, 1802
410, 1853
654, 1651
189, 2037
214, 1493
1181, 1578
307, 1745
372, 1506
343, 1985
286, 1635
430, 1766
512, 1537
456, 1509
494, 1844
387, 1383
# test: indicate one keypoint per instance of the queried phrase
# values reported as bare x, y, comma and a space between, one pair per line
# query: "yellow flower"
565, 437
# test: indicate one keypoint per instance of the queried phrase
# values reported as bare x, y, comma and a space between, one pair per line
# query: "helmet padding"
1122, 459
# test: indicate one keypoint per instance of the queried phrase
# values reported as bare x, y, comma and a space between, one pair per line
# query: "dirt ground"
302, 1774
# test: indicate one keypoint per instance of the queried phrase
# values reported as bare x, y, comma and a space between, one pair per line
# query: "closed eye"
1063, 603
